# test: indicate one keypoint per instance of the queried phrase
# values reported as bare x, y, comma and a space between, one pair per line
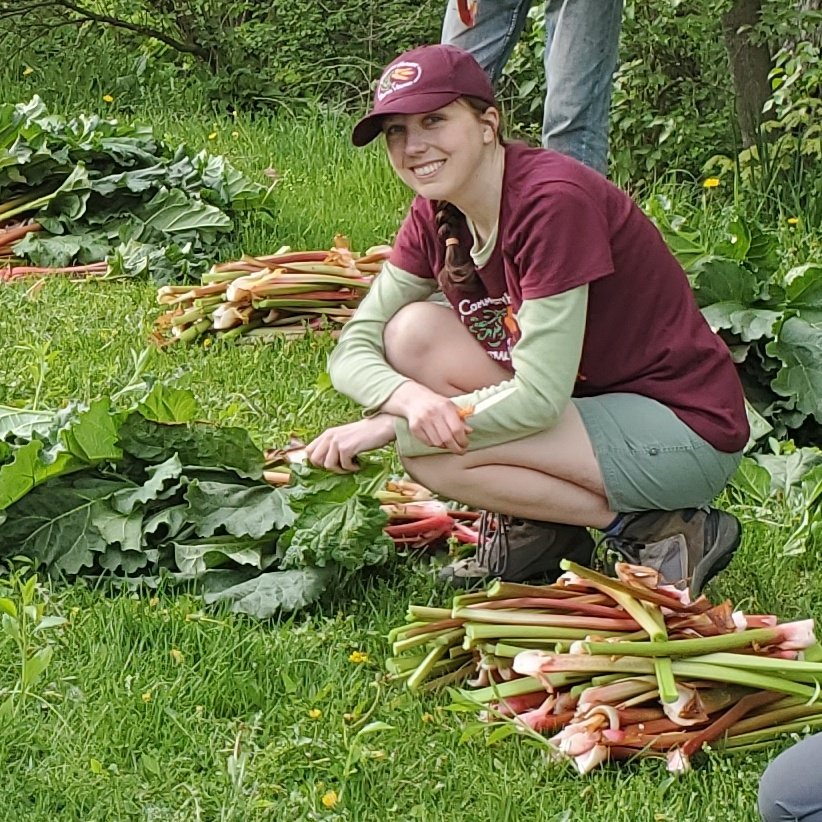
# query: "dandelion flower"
207, 342
153, 602
235, 134
329, 799
711, 182
177, 655
213, 135
426, 717
107, 98
28, 70
358, 657
793, 220
147, 696
315, 713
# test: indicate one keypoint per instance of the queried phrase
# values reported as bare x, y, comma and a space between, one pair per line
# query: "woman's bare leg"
551, 476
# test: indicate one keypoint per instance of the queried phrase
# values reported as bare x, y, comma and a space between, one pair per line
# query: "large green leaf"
195, 557
348, 533
173, 211
240, 510
195, 443
722, 280
54, 525
804, 289
128, 499
267, 594
798, 345
92, 434
27, 470
164, 403
24, 423
748, 323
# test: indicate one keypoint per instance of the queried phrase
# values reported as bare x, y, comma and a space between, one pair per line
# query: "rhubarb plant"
95, 489
111, 198
769, 313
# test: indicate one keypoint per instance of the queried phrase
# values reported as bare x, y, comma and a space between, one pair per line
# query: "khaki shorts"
649, 458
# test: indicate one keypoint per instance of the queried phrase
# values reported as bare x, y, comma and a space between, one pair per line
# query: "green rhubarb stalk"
738, 741
401, 664
588, 623
503, 690
193, 315
783, 667
464, 600
192, 332
446, 638
509, 590
666, 683
241, 329
611, 586
511, 648
774, 718
684, 647
738, 676
425, 612
523, 633
421, 673
455, 676
396, 633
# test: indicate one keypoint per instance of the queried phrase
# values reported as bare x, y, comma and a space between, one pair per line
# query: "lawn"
154, 708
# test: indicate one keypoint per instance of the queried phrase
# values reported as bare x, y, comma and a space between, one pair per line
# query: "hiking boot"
520, 550
687, 547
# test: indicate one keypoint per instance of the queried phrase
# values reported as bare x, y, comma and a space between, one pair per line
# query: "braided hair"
458, 268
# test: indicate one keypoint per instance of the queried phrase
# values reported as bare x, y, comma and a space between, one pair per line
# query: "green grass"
127, 730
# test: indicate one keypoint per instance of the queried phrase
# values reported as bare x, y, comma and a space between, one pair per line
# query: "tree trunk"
750, 63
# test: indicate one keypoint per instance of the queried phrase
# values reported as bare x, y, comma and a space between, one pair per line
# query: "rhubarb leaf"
240, 510
798, 344
269, 593
23, 423
195, 557
126, 500
195, 443
167, 404
348, 533
27, 470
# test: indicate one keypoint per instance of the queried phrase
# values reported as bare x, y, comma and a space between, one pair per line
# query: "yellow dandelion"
154, 602
426, 717
711, 182
147, 696
315, 713
28, 70
198, 709
330, 799
177, 655
235, 134
107, 98
358, 657
793, 220
213, 135
207, 342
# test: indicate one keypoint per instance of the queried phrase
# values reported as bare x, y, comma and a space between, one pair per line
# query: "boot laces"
493, 545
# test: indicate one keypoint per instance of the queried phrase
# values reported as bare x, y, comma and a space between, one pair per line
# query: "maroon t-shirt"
563, 225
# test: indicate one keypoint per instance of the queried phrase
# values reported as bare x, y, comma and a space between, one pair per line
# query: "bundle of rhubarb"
416, 520
612, 669
277, 295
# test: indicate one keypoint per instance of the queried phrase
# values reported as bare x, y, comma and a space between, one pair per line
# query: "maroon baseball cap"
422, 80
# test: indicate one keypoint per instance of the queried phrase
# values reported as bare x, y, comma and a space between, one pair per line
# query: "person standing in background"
581, 48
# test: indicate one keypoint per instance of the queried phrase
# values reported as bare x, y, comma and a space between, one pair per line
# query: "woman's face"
439, 154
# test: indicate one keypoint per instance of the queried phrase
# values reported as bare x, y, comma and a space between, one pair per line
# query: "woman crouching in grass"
567, 380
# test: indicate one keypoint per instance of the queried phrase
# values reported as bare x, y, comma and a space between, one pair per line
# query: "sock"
613, 528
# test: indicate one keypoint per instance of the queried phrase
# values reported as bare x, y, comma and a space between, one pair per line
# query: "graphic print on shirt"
491, 323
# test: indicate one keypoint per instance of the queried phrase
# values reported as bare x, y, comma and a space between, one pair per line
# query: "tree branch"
145, 31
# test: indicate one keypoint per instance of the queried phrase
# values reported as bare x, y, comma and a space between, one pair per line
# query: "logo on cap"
399, 76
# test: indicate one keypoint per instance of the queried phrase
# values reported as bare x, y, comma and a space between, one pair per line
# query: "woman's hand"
435, 420
336, 448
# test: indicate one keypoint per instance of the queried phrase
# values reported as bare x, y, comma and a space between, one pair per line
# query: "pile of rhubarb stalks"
277, 295
605, 669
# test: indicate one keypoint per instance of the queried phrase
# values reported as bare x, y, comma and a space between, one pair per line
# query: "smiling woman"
530, 394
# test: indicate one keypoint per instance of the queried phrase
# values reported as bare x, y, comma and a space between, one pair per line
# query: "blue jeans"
581, 47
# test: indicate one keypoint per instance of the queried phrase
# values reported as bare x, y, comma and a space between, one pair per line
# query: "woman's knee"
790, 787
409, 335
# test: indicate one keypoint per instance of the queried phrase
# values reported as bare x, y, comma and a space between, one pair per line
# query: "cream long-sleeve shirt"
545, 360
